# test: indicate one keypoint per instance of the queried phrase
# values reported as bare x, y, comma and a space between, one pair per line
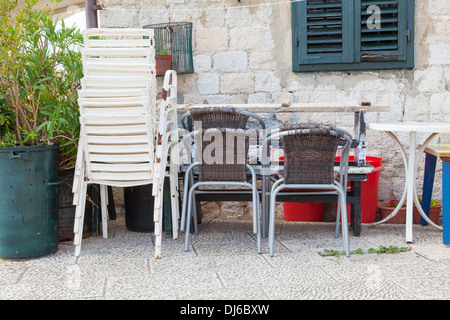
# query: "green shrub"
40, 72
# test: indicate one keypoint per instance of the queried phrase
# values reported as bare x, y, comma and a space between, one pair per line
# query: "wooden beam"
295, 107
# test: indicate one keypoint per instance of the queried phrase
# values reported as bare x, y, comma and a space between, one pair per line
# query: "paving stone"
223, 264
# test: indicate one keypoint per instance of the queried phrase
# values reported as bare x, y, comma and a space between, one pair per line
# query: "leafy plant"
328, 253
40, 72
163, 52
390, 250
337, 253
394, 203
380, 250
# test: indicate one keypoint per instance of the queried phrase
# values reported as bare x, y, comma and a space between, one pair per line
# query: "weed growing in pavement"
380, 250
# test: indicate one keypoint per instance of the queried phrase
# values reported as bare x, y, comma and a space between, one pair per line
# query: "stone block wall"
242, 54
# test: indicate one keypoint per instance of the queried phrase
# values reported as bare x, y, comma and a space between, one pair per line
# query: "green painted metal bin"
28, 201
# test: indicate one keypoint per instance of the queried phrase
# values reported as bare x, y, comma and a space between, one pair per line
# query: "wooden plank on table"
294, 107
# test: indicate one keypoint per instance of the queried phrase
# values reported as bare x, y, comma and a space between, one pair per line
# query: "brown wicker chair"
226, 166
217, 117
309, 157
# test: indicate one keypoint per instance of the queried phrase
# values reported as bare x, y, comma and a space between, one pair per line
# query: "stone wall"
243, 55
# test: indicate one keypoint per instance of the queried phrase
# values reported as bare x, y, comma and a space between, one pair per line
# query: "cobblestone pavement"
223, 264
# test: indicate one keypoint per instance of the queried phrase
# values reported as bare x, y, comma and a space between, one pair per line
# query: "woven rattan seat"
232, 163
310, 153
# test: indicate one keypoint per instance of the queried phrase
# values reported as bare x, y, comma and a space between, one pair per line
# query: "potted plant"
163, 62
386, 208
40, 72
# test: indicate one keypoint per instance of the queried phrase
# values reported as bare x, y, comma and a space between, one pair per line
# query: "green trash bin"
28, 201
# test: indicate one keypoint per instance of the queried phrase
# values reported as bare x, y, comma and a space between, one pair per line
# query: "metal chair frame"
189, 177
336, 188
188, 207
190, 202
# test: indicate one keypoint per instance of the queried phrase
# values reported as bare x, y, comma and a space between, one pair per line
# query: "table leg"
410, 186
424, 216
265, 194
263, 207
428, 181
411, 163
265, 189
360, 134
405, 163
446, 202
356, 208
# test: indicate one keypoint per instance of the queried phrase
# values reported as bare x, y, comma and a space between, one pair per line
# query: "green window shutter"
320, 43
388, 40
323, 32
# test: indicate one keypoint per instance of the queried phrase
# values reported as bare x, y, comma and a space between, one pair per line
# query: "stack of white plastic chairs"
121, 122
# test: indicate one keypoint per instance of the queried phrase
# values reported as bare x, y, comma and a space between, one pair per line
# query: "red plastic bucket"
369, 190
302, 211
308, 211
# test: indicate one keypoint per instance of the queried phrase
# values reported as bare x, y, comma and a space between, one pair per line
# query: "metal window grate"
175, 39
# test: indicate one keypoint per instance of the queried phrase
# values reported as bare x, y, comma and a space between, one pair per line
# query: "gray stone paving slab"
249, 293
223, 264
355, 290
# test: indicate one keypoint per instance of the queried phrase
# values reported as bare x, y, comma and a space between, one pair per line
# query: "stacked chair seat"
120, 119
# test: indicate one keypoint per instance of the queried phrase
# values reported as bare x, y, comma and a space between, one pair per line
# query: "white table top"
411, 126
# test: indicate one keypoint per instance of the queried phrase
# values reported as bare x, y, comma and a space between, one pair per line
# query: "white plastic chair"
115, 151
98, 82
167, 137
120, 121
102, 86
115, 105
104, 138
123, 55
118, 38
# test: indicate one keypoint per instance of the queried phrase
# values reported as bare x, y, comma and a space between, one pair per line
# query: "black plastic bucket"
28, 201
66, 209
139, 204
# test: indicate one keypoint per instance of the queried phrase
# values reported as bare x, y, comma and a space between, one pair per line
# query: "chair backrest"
219, 117
309, 153
113, 83
121, 55
114, 105
126, 86
222, 154
119, 70
119, 150
102, 93
118, 38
